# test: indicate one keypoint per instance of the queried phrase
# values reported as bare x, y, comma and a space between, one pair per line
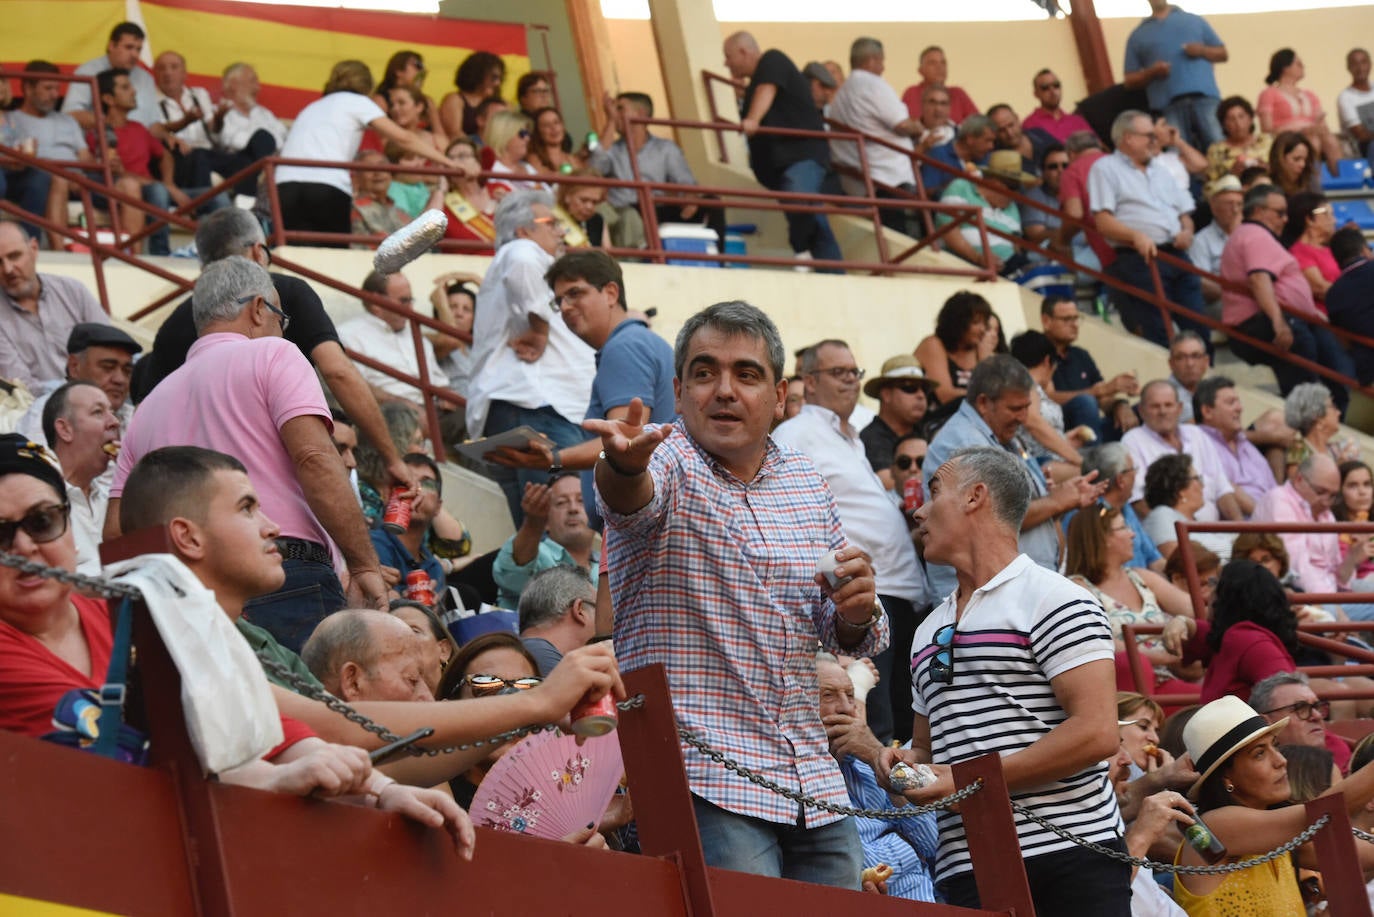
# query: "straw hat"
1225, 183
1219, 730
1006, 165
901, 368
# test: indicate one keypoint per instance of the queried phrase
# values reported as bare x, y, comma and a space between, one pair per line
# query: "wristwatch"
556, 466
866, 625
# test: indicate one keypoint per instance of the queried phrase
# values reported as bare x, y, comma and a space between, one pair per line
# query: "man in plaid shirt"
713, 534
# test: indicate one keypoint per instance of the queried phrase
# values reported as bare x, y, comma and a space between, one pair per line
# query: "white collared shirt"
372, 337
196, 133
869, 519
87, 521
868, 104
1145, 445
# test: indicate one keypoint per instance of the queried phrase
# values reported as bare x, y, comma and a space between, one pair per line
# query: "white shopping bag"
231, 714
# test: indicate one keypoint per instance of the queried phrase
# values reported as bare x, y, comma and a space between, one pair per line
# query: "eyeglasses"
545, 221
42, 524
524, 134
487, 685
281, 316
942, 663
904, 462
1055, 165
1044, 87
1071, 319
840, 373
572, 293
1303, 710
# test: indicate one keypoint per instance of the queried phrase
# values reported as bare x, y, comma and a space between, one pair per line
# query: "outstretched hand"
628, 446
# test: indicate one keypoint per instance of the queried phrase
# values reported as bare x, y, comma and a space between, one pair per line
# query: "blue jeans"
1143, 319
1309, 341
155, 193
29, 189
1195, 117
828, 855
502, 416
1083, 410
311, 592
810, 232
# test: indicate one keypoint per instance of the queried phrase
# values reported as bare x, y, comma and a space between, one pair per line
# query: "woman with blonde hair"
330, 129
507, 134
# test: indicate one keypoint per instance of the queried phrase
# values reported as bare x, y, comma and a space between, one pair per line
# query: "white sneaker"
802, 268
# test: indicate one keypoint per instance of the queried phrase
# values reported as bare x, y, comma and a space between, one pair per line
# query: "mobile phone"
393, 749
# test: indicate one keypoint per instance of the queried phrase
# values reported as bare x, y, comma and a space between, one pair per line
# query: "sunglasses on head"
42, 524
904, 462
488, 685
942, 663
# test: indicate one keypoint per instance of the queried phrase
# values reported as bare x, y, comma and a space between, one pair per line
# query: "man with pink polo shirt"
1050, 116
245, 391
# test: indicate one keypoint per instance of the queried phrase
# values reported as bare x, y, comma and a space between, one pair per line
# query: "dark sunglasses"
488, 685
1055, 165
1043, 87
904, 462
42, 524
910, 388
942, 663
523, 135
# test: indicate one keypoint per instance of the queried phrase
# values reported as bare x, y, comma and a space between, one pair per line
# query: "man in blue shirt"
409, 550
993, 410
1116, 469
1170, 55
970, 147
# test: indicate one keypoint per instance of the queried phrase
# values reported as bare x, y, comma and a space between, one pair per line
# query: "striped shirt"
713, 580
1021, 629
908, 845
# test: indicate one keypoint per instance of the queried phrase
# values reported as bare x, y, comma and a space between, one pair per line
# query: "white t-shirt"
370, 336
329, 129
869, 105
1348, 105
512, 291
1021, 629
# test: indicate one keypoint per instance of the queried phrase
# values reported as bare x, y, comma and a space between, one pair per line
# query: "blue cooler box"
690, 238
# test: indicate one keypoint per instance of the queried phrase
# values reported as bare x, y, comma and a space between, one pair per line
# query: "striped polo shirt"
1021, 629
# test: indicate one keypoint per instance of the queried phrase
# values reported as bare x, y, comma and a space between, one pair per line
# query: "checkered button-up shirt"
713, 580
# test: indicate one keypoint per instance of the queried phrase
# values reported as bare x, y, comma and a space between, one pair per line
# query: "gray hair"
343, 637
996, 375
516, 212
1262, 694
810, 357
973, 125
1108, 460
1080, 141
229, 231
1123, 123
1257, 198
551, 593
1004, 475
1186, 334
222, 287
234, 70
732, 318
1305, 405
864, 50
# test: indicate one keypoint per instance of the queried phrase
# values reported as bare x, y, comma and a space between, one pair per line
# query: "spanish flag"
292, 47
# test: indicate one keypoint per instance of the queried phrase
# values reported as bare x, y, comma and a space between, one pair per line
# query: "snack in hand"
875, 874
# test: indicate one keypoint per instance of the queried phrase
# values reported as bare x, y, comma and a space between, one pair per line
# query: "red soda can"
594, 718
419, 587
396, 516
912, 495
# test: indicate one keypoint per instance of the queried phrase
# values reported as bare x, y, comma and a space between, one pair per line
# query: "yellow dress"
1270, 890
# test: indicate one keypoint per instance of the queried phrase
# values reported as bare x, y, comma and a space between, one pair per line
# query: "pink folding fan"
549, 786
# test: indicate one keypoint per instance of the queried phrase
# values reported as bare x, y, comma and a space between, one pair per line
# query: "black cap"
99, 334
816, 71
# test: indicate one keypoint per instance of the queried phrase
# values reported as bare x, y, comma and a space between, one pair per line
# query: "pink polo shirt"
234, 395
1251, 248
1314, 557
1059, 128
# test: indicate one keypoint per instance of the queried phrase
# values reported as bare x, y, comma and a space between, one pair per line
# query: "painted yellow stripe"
70, 31
13, 906
292, 56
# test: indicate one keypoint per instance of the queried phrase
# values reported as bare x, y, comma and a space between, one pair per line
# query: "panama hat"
1006, 165
1219, 730
901, 368
1222, 185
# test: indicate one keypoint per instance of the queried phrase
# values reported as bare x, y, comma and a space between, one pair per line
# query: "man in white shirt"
868, 104
1224, 196
1160, 433
185, 110
243, 130
78, 424
122, 52
1352, 98
528, 366
386, 338
823, 432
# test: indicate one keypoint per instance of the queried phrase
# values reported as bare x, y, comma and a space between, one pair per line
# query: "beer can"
419, 587
594, 718
912, 495
396, 516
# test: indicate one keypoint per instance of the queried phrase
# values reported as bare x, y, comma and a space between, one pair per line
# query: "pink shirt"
234, 395
1059, 128
1317, 256
1073, 185
1287, 113
1314, 557
1253, 247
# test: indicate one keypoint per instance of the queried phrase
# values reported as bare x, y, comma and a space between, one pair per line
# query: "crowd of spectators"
1012, 478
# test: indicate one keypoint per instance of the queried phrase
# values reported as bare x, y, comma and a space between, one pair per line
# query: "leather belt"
300, 549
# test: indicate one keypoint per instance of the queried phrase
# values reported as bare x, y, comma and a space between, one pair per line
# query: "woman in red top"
1254, 632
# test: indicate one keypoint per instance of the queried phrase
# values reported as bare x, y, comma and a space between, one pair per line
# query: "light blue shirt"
1163, 40
965, 429
908, 845
79, 94
1149, 201
512, 578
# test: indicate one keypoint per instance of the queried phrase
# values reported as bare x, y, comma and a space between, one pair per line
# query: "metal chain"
814, 803
1306, 835
1362, 835
102, 587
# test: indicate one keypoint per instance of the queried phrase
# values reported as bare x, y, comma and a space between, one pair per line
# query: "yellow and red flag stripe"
292, 47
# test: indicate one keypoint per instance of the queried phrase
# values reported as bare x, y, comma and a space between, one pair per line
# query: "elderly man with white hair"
246, 392
527, 366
